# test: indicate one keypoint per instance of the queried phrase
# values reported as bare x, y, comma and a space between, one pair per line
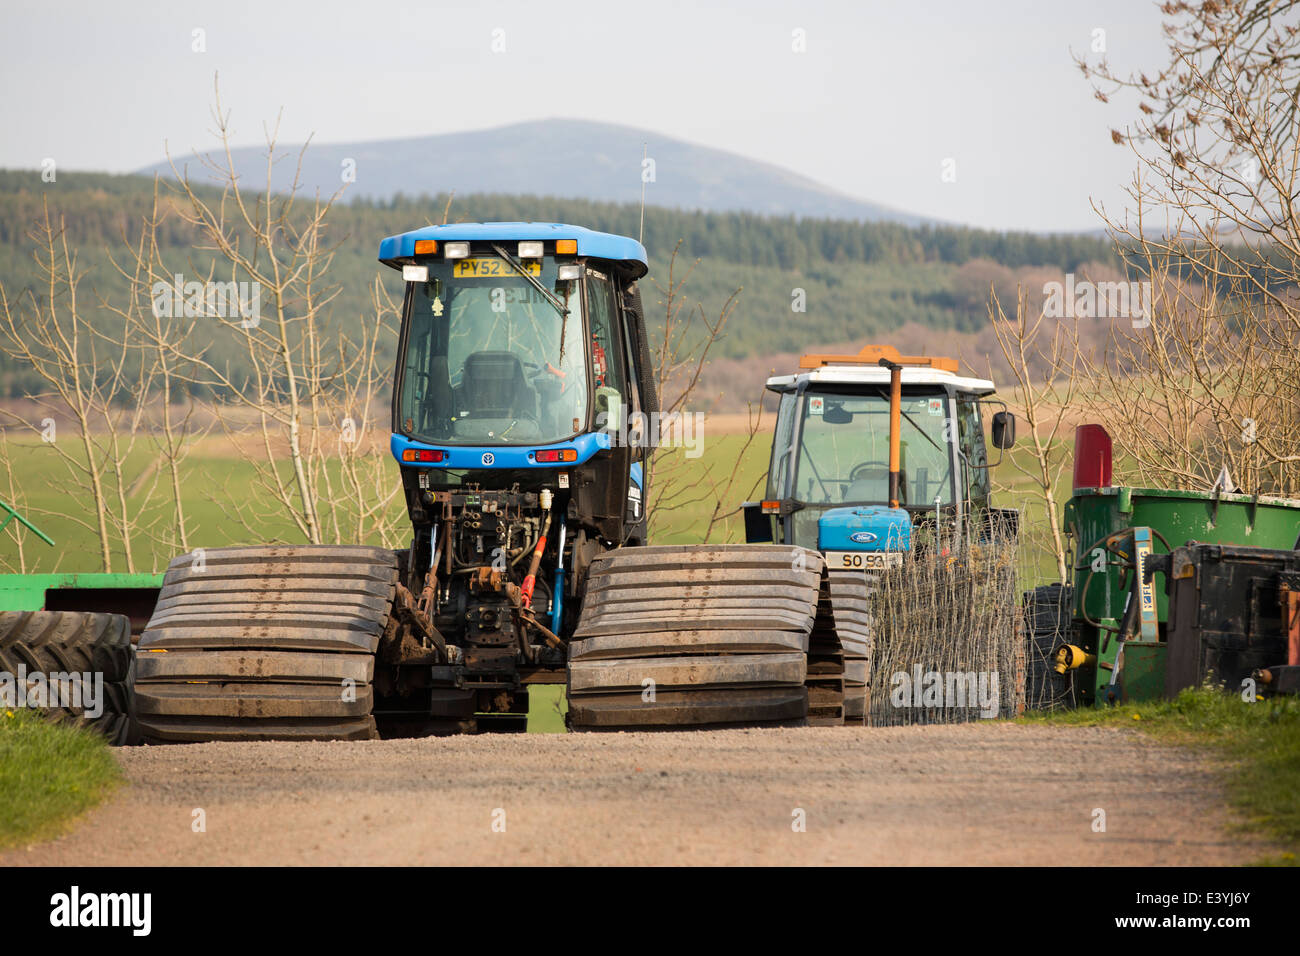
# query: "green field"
691, 491
213, 486
686, 494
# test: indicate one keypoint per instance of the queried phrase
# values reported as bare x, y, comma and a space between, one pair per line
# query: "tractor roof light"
455, 250
531, 249
566, 247
569, 271
415, 273
426, 247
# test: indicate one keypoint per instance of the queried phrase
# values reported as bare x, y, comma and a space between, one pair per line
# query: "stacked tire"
96, 648
1047, 616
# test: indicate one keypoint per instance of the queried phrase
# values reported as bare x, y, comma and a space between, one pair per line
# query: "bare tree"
158, 337
12, 503
238, 338
1043, 363
1212, 225
88, 384
301, 413
680, 487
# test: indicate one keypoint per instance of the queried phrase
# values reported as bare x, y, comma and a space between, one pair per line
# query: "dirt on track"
986, 793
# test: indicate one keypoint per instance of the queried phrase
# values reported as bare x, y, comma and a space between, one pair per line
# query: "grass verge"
49, 773
1258, 745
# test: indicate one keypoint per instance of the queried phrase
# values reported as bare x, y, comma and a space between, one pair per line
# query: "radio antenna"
640, 232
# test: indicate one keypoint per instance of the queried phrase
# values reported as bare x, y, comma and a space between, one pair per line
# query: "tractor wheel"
74, 642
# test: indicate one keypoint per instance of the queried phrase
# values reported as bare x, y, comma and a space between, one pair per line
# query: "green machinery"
1115, 642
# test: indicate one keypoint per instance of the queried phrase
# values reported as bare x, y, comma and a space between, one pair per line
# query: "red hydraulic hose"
530, 582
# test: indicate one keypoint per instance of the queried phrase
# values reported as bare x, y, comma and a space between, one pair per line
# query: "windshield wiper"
551, 297
912, 421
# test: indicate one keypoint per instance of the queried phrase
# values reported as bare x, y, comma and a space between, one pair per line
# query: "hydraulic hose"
557, 590
530, 580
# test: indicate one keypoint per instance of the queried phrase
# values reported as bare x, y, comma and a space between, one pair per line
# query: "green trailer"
133, 595
1111, 629
1115, 527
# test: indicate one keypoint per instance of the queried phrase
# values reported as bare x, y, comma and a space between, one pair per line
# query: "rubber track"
75, 642
265, 643
694, 635
845, 632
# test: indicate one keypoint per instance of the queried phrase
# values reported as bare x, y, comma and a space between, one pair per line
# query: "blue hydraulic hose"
557, 591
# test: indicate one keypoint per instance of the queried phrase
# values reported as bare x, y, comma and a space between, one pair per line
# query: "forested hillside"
859, 281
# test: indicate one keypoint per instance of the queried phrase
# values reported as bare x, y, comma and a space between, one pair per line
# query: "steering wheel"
862, 465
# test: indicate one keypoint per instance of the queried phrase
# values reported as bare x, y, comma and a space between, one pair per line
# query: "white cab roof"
876, 375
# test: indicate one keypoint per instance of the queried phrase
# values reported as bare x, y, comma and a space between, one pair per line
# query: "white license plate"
863, 560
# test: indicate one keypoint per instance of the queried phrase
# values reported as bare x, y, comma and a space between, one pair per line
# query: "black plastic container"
1225, 615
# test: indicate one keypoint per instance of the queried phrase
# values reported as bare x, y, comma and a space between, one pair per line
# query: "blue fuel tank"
865, 528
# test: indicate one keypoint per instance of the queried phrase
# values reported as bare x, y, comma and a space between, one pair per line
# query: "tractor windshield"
843, 454
489, 359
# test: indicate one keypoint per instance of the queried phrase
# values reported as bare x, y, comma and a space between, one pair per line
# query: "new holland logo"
862, 537
488, 458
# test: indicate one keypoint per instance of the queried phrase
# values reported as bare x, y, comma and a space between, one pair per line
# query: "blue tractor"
523, 364
524, 406
866, 448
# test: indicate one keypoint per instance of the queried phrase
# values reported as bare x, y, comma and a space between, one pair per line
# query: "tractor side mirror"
1004, 430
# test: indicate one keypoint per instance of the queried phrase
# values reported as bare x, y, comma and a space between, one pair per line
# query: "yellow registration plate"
491, 268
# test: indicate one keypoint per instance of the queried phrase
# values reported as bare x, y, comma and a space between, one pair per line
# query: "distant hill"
558, 157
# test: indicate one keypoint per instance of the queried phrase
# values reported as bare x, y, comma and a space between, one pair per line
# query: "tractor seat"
873, 485
492, 385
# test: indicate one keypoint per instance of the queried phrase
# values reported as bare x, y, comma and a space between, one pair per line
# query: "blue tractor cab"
522, 389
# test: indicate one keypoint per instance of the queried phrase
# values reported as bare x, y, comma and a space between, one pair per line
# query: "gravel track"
985, 793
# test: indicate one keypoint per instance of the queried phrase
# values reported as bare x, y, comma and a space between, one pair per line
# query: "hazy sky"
885, 92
